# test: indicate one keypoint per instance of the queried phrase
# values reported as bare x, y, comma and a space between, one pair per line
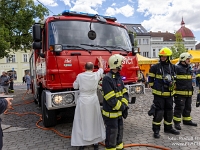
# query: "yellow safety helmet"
115, 61
165, 52
185, 56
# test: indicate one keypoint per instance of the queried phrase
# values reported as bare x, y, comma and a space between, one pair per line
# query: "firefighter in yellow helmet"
115, 103
161, 80
184, 92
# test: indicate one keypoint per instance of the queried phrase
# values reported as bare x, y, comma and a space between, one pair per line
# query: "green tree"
16, 19
4, 45
178, 47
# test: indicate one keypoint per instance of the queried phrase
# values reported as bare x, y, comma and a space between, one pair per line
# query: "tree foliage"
16, 20
178, 47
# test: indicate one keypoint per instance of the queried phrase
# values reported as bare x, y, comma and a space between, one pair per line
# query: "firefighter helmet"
165, 52
185, 56
115, 61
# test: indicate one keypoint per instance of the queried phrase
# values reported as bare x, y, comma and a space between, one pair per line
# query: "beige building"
17, 64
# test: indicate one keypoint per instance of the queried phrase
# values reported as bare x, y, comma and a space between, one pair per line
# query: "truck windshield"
76, 33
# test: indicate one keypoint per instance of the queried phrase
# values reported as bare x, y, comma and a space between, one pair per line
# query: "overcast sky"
154, 15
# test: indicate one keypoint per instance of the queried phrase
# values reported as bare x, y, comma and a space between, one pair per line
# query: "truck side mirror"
131, 36
37, 32
132, 43
37, 45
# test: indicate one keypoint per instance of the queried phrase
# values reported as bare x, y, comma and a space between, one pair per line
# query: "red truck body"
63, 44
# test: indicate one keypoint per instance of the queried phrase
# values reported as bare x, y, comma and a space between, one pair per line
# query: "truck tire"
48, 116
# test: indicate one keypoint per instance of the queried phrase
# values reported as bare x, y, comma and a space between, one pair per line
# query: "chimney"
166, 31
159, 31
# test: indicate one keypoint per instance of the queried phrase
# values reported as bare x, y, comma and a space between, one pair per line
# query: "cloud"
66, 2
130, 1
167, 15
113, 4
126, 10
51, 3
89, 6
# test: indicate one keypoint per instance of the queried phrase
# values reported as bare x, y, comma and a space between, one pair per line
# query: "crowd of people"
6, 83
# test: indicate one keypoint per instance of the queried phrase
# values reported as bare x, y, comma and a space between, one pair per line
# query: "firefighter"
115, 103
184, 92
161, 80
198, 95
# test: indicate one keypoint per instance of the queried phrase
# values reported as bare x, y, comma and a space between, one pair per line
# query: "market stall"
195, 57
145, 63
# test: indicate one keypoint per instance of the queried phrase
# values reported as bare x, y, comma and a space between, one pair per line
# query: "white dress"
88, 126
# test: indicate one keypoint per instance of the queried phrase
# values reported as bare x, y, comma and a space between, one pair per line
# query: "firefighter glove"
125, 113
152, 111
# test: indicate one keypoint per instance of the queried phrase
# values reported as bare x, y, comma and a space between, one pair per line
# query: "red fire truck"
61, 47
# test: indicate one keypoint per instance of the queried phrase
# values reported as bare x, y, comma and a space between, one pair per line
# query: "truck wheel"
48, 116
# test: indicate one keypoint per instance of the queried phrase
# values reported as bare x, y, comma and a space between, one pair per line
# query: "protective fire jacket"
115, 95
198, 78
157, 78
183, 80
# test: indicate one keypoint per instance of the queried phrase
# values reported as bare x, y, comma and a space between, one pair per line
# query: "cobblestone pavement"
21, 133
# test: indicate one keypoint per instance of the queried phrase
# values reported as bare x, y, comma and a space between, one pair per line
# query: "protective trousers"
182, 107
114, 133
164, 107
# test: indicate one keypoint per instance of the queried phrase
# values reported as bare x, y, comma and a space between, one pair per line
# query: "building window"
146, 41
25, 56
146, 54
11, 59
139, 41
154, 53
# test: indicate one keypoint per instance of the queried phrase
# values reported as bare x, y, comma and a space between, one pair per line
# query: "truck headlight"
62, 99
136, 89
58, 48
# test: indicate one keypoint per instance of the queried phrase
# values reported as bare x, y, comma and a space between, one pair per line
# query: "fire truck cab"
62, 45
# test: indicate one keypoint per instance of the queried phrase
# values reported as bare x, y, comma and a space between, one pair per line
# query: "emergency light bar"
74, 13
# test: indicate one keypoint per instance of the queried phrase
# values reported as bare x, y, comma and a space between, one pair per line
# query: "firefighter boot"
190, 123
156, 130
177, 126
156, 134
172, 131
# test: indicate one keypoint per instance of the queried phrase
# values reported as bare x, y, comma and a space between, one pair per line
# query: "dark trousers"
11, 86
164, 108
182, 108
1, 138
114, 132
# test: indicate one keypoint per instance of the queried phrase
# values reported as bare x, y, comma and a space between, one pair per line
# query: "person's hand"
100, 62
9, 102
99, 59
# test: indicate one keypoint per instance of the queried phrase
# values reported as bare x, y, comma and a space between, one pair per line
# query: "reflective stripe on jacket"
183, 80
156, 78
115, 95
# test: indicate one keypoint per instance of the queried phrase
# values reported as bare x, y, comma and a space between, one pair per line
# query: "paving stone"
21, 132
